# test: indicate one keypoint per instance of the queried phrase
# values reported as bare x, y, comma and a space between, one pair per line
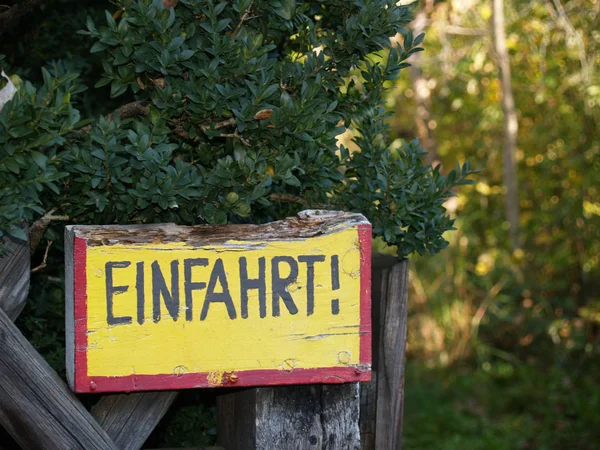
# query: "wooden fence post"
128, 419
14, 276
244, 416
36, 407
14, 283
392, 356
382, 399
290, 417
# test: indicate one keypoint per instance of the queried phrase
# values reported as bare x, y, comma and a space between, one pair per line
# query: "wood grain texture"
391, 358
305, 225
14, 276
381, 266
130, 418
368, 412
296, 417
14, 287
236, 420
36, 407
192, 448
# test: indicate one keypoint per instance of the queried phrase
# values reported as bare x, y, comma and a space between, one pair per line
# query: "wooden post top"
305, 225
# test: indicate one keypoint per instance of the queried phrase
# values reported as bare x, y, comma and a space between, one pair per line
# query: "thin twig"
551, 10
43, 264
39, 227
242, 20
236, 135
560, 16
218, 125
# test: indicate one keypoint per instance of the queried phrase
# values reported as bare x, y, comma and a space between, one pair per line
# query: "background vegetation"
503, 341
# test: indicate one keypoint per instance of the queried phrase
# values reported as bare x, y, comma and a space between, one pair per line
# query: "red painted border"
80, 379
329, 375
246, 378
365, 240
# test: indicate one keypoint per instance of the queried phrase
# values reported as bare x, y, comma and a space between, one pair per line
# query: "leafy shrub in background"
33, 126
236, 110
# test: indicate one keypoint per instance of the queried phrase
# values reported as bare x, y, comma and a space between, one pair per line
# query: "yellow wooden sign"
168, 307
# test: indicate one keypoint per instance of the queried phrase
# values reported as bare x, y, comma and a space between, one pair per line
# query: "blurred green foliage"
517, 333
500, 407
545, 293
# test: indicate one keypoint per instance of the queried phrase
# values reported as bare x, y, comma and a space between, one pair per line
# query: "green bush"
236, 112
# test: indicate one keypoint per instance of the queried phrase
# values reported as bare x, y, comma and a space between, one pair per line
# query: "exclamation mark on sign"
335, 283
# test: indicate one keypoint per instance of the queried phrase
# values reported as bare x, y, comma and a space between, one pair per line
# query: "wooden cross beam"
36, 407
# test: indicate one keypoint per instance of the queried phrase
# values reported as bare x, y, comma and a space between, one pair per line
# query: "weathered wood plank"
14, 276
236, 420
368, 412
381, 266
391, 358
340, 416
130, 418
36, 407
14, 286
297, 417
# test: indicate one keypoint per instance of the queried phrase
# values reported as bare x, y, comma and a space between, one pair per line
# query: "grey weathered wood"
368, 412
290, 417
69, 306
130, 418
340, 416
36, 407
381, 266
391, 358
14, 276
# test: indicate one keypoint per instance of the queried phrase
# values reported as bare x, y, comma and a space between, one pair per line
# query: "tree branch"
236, 135
42, 266
511, 124
242, 20
39, 227
218, 125
570, 29
10, 19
